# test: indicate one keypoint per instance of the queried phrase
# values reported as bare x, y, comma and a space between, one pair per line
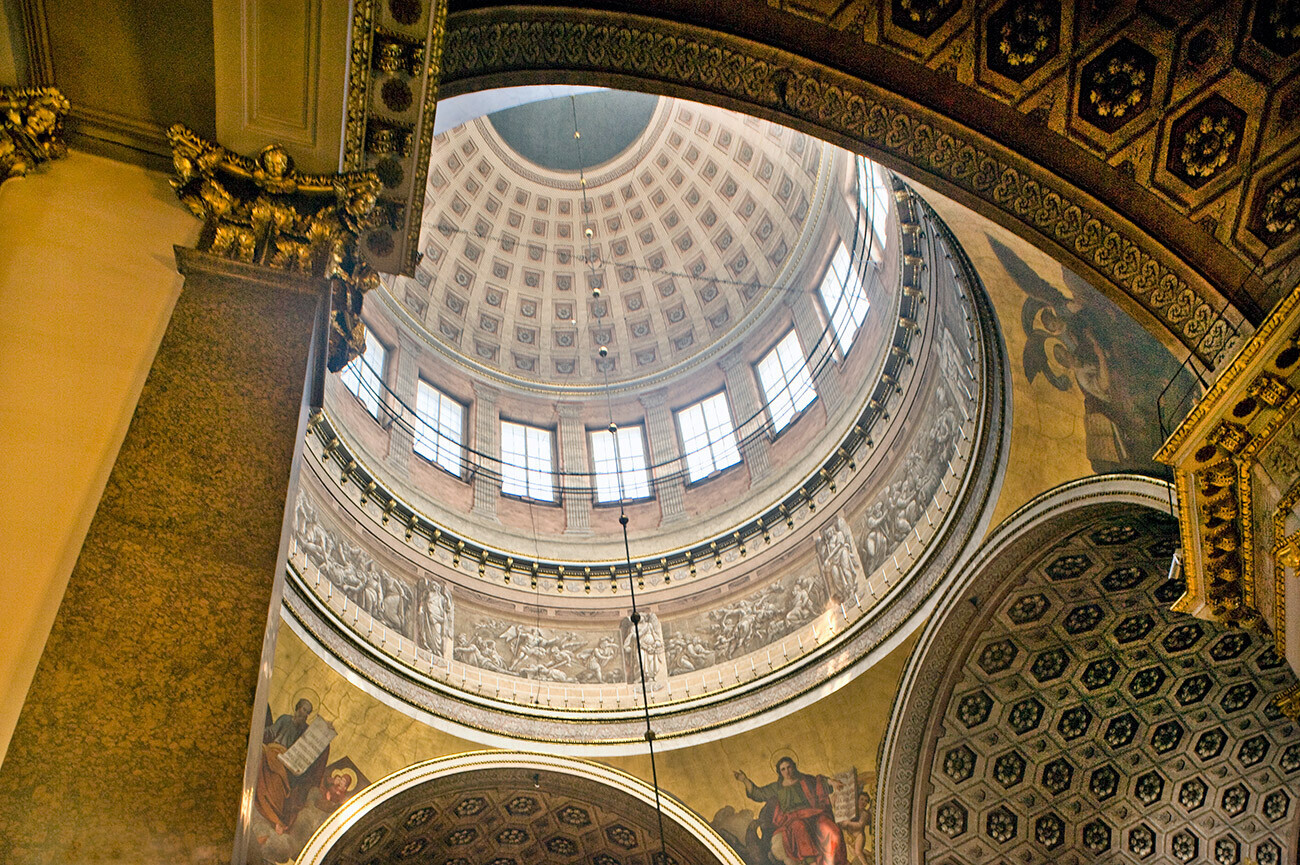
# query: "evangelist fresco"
298, 783
804, 819
346, 738
1079, 341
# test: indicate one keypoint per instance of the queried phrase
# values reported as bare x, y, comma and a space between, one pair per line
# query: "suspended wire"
820, 358
635, 616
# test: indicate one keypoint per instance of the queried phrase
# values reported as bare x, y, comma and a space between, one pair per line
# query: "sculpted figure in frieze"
838, 557
650, 657
434, 618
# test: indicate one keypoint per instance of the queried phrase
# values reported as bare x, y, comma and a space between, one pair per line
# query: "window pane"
708, 437
438, 427
787, 385
363, 376
881, 193
874, 193
845, 298
526, 468
623, 474
514, 472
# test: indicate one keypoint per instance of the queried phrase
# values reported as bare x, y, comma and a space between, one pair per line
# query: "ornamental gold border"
1230, 377
514, 45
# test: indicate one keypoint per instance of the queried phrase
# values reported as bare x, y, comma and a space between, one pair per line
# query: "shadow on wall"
1082, 340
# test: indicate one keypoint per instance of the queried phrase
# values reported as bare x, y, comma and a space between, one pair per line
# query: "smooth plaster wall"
87, 281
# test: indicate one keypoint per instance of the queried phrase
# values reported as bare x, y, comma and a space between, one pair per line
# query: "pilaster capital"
31, 128
654, 399
732, 359
262, 211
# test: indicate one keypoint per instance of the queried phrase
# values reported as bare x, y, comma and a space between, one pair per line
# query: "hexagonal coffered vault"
1058, 711
511, 808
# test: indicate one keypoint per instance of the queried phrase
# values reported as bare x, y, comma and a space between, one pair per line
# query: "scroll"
844, 799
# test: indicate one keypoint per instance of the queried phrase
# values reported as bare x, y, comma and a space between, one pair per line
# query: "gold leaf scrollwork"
263, 211
1289, 702
31, 128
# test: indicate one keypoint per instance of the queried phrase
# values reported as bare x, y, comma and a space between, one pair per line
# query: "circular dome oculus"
610, 121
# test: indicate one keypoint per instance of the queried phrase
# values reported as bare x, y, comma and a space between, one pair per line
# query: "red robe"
810, 832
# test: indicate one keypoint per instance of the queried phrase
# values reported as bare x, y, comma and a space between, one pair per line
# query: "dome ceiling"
543, 132
1080, 719
750, 618
696, 222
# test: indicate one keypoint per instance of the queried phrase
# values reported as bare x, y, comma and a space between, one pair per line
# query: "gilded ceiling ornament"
1281, 211
1117, 87
262, 211
31, 128
1205, 140
1026, 35
923, 17
1208, 145
1277, 25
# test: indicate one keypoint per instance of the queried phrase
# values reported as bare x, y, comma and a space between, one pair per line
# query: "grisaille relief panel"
541, 652
421, 611
746, 624
885, 524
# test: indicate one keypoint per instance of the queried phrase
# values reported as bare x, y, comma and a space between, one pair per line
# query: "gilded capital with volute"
261, 210
31, 128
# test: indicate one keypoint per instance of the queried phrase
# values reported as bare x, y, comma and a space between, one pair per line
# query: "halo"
348, 773
308, 694
781, 753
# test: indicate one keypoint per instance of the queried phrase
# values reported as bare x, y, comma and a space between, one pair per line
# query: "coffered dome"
698, 218
722, 248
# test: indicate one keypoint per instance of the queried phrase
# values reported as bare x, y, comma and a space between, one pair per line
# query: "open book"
310, 745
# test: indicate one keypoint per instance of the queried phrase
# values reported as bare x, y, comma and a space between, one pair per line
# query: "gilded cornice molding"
261, 211
500, 47
31, 128
395, 53
1236, 459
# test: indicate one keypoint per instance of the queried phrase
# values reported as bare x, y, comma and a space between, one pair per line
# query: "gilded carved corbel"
262, 211
31, 128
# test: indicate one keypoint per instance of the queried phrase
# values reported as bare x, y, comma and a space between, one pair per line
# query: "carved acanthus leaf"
262, 211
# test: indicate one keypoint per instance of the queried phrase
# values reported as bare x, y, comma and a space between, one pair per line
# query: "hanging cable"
635, 616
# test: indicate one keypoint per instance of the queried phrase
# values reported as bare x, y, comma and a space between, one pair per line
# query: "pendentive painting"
299, 782
798, 817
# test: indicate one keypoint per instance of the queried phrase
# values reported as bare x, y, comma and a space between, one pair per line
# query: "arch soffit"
1050, 515
576, 781
1168, 291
